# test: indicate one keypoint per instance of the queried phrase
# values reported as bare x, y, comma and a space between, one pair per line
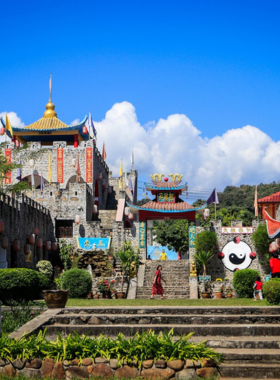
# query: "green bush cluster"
243, 282
19, 284
77, 281
45, 267
271, 291
147, 345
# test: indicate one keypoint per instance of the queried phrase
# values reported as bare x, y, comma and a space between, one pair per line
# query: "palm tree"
203, 257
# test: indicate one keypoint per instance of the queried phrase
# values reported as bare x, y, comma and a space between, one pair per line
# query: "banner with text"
60, 165
8, 156
89, 165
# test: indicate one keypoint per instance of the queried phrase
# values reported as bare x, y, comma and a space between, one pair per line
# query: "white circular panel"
236, 255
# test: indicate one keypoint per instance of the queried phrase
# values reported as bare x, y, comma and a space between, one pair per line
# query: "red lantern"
95, 209
1, 227
37, 231
31, 239
4, 242
2, 131
17, 144
84, 130
48, 245
126, 211
270, 248
278, 243
26, 249
54, 246
39, 243
130, 216
273, 246
16, 245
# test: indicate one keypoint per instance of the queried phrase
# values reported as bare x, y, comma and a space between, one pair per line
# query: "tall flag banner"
19, 171
131, 187
8, 156
256, 202
42, 186
89, 165
213, 198
60, 165
78, 169
50, 168
104, 155
121, 176
9, 127
92, 130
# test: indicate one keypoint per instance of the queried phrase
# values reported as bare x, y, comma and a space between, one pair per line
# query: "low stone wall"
103, 368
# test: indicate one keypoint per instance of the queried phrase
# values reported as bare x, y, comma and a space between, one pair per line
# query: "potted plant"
229, 292
203, 257
207, 290
104, 288
220, 293
56, 298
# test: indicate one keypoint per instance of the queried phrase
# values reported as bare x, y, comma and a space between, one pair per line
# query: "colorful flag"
19, 171
213, 197
121, 177
78, 169
50, 168
42, 186
104, 155
9, 127
256, 202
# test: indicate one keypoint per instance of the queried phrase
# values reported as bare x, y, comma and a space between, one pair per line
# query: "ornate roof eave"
154, 187
166, 211
79, 126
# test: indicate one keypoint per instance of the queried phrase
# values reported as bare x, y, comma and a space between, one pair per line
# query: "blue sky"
217, 62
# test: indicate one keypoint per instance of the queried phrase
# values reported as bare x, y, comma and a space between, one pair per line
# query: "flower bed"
146, 355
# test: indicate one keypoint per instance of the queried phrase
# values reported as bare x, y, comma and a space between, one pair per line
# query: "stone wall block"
77, 372
58, 371
127, 372
177, 365
102, 370
157, 373
35, 363
206, 372
47, 367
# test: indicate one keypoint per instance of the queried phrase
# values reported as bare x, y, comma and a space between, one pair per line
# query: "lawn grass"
168, 302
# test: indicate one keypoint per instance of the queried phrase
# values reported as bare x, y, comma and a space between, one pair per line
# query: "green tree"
172, 233
262, 241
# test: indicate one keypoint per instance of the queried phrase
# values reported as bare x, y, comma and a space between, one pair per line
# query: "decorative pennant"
8, 156
60, 165
89, 165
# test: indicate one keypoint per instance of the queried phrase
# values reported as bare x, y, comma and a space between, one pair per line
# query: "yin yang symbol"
236, 255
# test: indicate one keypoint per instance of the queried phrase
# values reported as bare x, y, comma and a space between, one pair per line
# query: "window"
64, 228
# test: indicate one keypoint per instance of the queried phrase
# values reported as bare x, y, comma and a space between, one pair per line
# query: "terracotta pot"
229, 295
89, 296
55, 299
120, 295
110, 257
205, 295
218, 294
96, 296
106, 294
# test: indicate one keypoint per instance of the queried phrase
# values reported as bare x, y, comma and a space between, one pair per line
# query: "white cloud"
75, 122
15, 122
174, 145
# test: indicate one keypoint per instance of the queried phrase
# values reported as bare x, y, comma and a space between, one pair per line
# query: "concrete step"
250, 371
252, 355
179, 319
240, 342
169, 310
179, 329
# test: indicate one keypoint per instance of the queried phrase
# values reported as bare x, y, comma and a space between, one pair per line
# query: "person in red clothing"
274, 264
258, 289
157, 287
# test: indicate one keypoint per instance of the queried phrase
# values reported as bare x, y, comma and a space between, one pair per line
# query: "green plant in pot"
56, 298
203, 257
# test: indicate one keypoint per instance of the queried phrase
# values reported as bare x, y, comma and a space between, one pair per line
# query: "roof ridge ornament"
50, 112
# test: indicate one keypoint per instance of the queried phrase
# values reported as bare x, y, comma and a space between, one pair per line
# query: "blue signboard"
91, 243
160, 252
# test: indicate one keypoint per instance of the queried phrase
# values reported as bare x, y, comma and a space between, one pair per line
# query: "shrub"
43, 283
262, 241
206, 241
77, 281
45, 267
66, 251
18, 284
243, 282
271, 291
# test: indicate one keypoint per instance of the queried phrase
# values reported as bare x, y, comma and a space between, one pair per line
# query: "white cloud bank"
174, 145
15, 121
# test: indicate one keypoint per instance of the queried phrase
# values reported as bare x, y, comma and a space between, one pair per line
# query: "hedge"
243, 282
77, 281
271, 291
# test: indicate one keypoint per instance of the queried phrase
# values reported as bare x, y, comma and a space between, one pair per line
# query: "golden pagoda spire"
50, 112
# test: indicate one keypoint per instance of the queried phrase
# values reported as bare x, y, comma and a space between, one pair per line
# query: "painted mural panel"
160, 252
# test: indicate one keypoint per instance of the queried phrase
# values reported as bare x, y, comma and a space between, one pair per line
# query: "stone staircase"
247, 337
176, 274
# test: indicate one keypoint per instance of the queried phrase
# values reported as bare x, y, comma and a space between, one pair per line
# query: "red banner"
89, 165
8, 156
60, 165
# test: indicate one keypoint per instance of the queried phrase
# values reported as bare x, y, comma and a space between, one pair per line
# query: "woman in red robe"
157, 287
